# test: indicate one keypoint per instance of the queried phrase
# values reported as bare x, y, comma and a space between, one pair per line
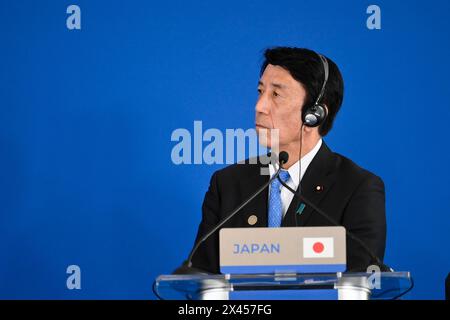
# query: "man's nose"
262, 105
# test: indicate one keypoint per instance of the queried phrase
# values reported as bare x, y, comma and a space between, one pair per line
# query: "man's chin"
264, 136
266, 143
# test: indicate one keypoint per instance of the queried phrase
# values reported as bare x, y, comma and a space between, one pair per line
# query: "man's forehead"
276, 76
275, 84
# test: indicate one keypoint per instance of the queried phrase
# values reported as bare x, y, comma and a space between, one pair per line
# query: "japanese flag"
318, 247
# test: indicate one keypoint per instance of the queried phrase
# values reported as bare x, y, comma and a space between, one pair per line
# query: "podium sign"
282, 250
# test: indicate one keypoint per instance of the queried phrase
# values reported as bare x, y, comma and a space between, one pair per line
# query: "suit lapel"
258, 206
315, 184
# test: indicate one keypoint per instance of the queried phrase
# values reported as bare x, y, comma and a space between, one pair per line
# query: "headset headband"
325, 69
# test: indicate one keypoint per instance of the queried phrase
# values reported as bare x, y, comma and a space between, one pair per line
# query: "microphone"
187, 268
351, 235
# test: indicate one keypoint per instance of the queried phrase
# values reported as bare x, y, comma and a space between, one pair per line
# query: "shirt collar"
293, 170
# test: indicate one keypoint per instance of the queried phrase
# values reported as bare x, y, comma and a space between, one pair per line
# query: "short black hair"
305, 66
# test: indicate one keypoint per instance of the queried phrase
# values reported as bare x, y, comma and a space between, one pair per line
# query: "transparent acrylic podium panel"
342, 286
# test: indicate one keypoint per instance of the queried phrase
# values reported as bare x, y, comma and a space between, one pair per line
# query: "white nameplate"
282, 250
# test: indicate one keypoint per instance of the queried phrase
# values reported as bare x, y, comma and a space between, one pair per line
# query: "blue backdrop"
86, 118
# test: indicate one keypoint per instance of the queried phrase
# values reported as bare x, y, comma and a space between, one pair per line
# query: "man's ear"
309, 130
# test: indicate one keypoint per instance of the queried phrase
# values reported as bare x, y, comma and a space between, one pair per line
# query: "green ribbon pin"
300, 208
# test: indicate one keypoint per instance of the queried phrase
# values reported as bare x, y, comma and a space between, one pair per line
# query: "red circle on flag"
318, 247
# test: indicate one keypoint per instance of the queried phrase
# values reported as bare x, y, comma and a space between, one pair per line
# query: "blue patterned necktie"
275, 206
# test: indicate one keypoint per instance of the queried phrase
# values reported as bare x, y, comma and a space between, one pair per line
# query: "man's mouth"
261, 126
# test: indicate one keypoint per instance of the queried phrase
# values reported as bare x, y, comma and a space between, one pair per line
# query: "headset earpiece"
315, 116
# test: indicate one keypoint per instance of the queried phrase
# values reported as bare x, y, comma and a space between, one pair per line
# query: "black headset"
315, 115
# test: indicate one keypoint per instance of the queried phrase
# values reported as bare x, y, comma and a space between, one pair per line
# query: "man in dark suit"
291, 82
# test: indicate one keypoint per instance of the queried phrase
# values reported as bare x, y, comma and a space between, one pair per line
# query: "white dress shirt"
286, 195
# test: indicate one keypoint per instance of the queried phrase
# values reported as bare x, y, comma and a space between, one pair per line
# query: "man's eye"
275, 94
259, 91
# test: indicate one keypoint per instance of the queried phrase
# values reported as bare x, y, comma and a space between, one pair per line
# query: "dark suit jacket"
352, 196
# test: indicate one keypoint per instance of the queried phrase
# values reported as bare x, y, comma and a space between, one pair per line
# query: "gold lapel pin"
252, 220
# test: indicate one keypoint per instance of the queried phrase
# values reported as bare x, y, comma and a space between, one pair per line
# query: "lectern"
296, 263
326, 286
